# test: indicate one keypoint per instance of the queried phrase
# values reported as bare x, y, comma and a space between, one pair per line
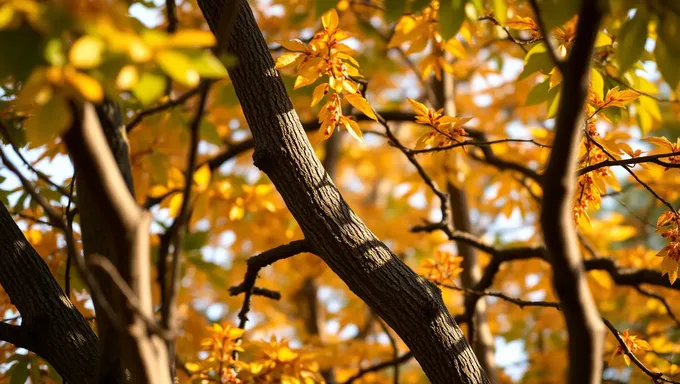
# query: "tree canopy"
312, 191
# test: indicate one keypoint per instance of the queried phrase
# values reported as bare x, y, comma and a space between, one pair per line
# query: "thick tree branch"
142, 353
410, 305
583, 324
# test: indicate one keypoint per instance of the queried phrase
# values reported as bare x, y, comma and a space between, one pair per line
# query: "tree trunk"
478, 327
411, 305
50, 325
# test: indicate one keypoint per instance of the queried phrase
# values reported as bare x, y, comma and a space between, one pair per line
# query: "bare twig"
662, 300
256, 263
106, 265
161, 107
632, 161
380, 366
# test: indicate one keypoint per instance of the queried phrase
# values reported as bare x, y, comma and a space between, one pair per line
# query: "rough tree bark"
412, 306
50, 325
557, 221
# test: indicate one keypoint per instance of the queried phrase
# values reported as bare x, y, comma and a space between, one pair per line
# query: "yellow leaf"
236, 213
330, 20
522, 23
294, 45
319, 92
202, 177
455, 47
418, 107
660, 141
86, 52
127, 78
174, 204
618, 98
287, 59
353, 128
302, 81
87, 86
188, 38
361, 104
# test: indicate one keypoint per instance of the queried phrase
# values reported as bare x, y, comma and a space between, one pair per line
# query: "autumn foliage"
368, 80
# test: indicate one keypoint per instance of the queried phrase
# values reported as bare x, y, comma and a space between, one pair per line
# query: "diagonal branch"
557, 222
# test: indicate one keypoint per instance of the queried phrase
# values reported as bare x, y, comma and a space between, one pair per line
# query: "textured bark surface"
51, 326
412, 306
584, 324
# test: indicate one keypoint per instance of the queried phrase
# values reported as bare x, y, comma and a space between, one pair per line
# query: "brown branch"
662, 300
630, 171
54, 218
380, 366
514, 300
175, 234
556, 218
632, 161
519, 43
656, 377
97, 170
106, 265
161, 107
42, 176
256, 263
560, 64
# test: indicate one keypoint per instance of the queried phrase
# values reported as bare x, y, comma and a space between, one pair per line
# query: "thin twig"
560, 64
110, 269
42, 176
656, 377
161, 107
50, 212
380, 366
662, 300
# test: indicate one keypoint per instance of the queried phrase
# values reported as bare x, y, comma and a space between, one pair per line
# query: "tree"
170, 252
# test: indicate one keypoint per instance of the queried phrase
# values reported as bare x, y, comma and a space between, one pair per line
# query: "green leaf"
18, 373
669, 30
323, 6
556, 12
196, 240
632, 38
418, 5
51, 120
21, 52
554, 96
451, 17
179, 67
54, 52
394, 9
668, 62
208, 65
537, 59
500, 8
151, 86
538, 94
208, 132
